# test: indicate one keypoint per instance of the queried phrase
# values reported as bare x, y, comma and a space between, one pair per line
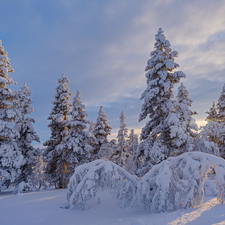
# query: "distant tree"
37, 178
26, 136
211, 135
221, 107
56, 169
92, 138
121, 155
75, 146
214, 130
132, 145
101, 132
158, 103
132, 142
212, 113
11, 158
181, 124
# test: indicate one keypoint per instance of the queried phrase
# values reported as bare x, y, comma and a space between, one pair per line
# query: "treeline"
169, 131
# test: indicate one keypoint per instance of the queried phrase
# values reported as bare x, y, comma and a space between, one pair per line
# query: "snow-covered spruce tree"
210, 134
220, 118
132, 142
121, 155
56, 169
37, 178
221, 107
75, 146
182, 125
11, 158
26, 136
132, 145
92, 138
212, 113
158, 103
101, 132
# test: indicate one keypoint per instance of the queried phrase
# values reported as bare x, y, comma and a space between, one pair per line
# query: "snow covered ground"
43, 207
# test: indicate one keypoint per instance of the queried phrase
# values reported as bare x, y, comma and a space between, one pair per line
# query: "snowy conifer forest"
171, 166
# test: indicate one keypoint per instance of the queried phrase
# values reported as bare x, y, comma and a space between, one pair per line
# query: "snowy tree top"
24, 101
160, 81
5, 67
78, 113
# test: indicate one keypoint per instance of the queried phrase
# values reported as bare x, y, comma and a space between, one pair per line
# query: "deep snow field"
43, 207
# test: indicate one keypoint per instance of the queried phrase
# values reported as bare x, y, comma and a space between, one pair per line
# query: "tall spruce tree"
26, 136
75, 146
56, 169
101, 132
11, 158
158, 103
121, 155
181, 124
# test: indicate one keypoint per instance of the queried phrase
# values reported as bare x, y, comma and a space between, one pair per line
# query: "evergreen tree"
121, 155
26, 135
211, 132
212, 113
132, 145
101, 132
56, 169
11, 158
132, 142
210, 135
92, 138
182, 124
158, 103
221, 107
221, 120
75, 146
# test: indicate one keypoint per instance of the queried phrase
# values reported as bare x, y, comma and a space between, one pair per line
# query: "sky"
103, 46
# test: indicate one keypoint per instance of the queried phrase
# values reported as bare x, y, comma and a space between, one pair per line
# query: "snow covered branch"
90, 177
178, 182
175, 183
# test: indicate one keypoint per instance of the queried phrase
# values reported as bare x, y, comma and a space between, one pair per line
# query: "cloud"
103, 47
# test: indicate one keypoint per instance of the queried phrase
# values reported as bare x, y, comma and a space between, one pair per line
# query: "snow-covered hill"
43, 208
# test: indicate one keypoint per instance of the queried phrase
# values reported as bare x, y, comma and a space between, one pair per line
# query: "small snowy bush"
89, 177
178, 182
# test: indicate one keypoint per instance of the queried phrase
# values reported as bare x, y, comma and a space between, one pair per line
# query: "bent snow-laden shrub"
89, 177
175, 183
178, 182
